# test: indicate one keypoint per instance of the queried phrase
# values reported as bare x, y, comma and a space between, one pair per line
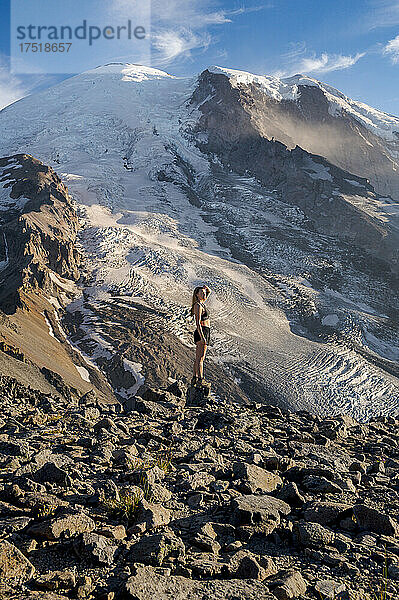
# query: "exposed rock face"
232, 124
39, 227
308, 121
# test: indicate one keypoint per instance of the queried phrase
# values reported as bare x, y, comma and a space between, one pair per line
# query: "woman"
202, 332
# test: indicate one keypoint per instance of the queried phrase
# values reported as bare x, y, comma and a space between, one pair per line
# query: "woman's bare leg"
201, 360
198, 353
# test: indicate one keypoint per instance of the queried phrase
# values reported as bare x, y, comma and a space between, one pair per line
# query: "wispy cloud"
11, 87
180, 26
325, 63
382, 13
170, 45
392, 49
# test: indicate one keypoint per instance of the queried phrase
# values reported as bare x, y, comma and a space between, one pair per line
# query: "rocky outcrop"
309, 121
232, 128
214, 500
38, 227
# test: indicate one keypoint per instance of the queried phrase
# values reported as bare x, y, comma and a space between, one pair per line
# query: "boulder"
313, 534
320, 485
326, 513
15, 568
177, 389
259, 510
113, 532
290, 584
150, 583
56, 580
96, 549
372, 519
156, 548
290, 493
331, 590
245, 565
152, 515
65, 526
51, 473
255, 478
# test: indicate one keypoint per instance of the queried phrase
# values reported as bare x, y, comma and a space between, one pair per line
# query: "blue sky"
352, 45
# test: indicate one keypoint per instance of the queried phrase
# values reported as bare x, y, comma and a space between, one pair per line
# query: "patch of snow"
65, 284
330, 320
135, 369
4, 263
50, 327
274, 87
317, 170
84, 373
353, 182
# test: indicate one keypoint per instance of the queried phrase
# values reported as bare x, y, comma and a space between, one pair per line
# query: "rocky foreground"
192, 497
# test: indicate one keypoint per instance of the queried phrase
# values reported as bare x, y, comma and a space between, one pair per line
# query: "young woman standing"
202, 332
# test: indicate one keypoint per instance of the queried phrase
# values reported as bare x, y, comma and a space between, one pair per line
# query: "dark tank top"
205, 312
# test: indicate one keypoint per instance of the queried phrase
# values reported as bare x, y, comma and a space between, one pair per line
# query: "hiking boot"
201, 382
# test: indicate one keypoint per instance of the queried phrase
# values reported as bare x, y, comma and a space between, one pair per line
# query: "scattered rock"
66, 526
255, 478
246, 500
374, 520
15, 568
331, 590
150, 583
289, 585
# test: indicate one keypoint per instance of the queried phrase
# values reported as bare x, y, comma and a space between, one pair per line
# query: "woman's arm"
197, 312
208, 290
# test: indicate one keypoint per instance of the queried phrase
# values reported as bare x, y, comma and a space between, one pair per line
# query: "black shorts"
207, 335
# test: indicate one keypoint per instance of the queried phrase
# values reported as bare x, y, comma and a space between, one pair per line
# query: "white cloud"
329, 62
172, 44
11, 87
180, 26
392, 48
317, 64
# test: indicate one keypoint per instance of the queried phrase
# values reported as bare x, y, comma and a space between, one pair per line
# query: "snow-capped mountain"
239, 181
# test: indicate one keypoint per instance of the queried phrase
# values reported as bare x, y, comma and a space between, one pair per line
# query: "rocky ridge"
323, 121
231, 127
193, 495
39, 227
